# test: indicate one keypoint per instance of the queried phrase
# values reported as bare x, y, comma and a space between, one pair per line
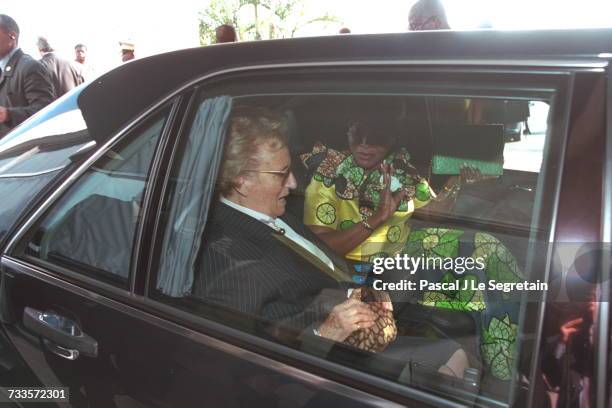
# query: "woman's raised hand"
346, 318
388, 201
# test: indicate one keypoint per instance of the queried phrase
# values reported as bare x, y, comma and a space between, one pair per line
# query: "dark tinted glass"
34, 154
90, 230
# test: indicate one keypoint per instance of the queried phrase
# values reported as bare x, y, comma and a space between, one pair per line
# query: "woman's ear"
242, 186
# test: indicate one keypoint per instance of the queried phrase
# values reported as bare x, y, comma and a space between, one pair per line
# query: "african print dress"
340, 194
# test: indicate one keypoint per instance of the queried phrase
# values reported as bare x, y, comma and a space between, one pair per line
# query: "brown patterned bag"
384, 331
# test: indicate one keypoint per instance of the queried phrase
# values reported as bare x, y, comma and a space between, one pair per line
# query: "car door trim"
535, 369
602, 365
174, 115
21, 267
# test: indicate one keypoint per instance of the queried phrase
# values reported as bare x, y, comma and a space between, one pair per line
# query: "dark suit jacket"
25, 88
244, 267
64, 74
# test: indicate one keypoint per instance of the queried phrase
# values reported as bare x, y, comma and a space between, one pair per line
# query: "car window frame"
14, 249
314, 363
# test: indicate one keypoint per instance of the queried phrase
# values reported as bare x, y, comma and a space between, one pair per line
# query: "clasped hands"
350, 316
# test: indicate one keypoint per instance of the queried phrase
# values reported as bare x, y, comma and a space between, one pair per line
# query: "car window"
526, 139
379, 229
33, 155
90, 230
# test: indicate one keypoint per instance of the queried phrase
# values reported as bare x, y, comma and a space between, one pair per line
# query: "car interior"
501, 205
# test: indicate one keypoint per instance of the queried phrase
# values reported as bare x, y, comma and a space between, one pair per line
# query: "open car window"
455, 255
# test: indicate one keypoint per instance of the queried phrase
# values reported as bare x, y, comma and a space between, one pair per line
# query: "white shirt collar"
280, 225
4, 61
266, 219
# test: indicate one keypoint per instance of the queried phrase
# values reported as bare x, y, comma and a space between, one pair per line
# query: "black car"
106, 193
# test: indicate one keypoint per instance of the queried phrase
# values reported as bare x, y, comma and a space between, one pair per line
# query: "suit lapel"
337, 273
234, 220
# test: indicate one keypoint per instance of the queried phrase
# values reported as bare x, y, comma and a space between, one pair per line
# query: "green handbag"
479, 146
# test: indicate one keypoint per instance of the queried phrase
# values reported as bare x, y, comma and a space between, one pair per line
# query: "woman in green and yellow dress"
360, 201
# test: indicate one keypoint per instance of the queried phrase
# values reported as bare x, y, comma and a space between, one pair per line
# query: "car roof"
117, 97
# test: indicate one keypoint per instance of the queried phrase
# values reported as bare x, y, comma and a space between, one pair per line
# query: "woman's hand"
388, 201
346, 318
468, 175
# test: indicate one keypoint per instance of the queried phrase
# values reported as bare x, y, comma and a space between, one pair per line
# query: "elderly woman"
258, 260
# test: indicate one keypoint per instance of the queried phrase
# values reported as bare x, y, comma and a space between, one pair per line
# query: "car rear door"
72, 312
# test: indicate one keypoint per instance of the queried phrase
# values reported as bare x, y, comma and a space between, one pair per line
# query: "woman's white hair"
250, 130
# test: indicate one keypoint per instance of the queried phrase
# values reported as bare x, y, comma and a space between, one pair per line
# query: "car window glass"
90, 230
526, 139
35, 154
290, 239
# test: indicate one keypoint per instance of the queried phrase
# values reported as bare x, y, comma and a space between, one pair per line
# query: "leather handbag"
376, 338
479, 146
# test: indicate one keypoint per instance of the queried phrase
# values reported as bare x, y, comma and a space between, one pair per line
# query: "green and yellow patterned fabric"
496, 316
498, 346
341, 194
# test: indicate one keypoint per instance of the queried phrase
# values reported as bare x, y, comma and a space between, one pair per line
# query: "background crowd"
28, 84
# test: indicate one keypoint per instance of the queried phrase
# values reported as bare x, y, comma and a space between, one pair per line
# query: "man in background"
80, 53
127, 51
427, 15
25, 84
64, 74
225, 33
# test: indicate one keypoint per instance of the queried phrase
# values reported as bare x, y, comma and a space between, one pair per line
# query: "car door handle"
62, 335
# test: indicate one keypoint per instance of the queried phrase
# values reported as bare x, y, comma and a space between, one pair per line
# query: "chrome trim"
208, 341
63, 352
603, 337
23, 175
565, 129
174, 147
353, 64
149, 187
596, 65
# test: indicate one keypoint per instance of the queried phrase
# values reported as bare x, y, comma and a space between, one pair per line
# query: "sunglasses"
284, 174
370, 135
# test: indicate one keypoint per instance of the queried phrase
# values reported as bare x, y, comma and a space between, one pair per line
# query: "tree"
260, 19
217, 13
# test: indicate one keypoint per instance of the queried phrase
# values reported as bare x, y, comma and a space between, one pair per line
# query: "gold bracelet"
449, 192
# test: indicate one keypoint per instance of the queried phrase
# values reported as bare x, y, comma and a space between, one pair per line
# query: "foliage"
259, 19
